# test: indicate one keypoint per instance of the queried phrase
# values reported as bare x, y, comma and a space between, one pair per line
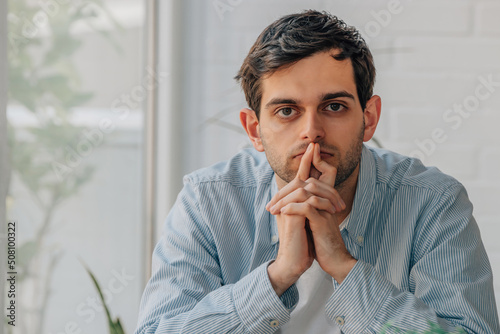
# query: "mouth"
323, 155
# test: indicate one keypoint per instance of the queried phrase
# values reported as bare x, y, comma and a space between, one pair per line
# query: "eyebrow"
324, 97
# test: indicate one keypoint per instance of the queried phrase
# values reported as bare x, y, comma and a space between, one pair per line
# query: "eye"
335, 107
285, 112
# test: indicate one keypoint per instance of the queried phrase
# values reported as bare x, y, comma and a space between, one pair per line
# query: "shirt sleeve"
186, 293
451, 285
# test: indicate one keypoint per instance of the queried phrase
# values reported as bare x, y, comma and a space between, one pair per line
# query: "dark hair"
297, 36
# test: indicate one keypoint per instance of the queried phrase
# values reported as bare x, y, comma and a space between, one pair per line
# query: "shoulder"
248, 168
396, 170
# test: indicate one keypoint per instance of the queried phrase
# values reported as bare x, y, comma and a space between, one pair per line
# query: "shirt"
314, 287
421, 262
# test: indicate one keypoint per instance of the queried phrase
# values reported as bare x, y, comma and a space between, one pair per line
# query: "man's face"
314, 100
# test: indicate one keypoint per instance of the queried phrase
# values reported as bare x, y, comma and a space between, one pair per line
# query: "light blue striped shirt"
420, 255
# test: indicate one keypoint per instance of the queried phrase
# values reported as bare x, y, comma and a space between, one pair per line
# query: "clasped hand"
308, 229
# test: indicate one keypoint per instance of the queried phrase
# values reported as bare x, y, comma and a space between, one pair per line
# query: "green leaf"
115, 327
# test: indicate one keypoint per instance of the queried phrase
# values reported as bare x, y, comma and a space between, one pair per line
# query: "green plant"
44, 81
115, 326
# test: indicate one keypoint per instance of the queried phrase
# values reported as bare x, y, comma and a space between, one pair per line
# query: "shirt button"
274, 323
360, 239
339, 320
274, 238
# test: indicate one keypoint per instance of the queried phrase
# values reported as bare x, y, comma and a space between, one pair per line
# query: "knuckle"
302, 192
334, 195
312, 186
308, 207
315, 200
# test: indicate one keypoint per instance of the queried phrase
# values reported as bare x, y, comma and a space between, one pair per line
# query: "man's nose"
313, 127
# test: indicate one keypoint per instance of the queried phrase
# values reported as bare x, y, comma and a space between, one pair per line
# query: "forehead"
310, 78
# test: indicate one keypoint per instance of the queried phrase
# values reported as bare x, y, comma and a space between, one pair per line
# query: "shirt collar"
344, 223
363, 199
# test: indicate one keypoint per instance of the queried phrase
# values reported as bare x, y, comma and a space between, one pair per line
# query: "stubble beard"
346, 166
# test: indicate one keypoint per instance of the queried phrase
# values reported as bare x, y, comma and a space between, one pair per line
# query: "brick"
441, 17
457, 161
448, 53
487, 18
492, 104
478, 129
484, 196
490, 230
400, 88
383, 131
369, 17
383, 54
397, 146
433, 91
382, 18
356, 13
256, 15
489, 162
412, 123
449, 159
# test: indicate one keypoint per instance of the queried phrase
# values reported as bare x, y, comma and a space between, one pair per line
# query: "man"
319, 233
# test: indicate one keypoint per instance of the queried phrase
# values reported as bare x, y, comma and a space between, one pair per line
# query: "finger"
298, 191
300, 196
295, 196
285, 191
328, 172
305, 163
302, 209
321, 189
302, 175
321, 204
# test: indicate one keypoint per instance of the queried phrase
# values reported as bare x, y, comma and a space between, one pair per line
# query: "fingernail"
309, 147
272, 208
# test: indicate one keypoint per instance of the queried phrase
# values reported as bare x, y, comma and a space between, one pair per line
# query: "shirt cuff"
356, 301
257, 304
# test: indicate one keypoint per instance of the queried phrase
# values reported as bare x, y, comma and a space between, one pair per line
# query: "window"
77, 90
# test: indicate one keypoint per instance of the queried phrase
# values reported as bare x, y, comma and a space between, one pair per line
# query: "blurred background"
106, 104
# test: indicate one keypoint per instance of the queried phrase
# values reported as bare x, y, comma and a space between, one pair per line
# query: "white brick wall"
429, 56
486, 19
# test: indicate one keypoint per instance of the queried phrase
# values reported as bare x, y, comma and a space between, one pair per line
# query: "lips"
324, 155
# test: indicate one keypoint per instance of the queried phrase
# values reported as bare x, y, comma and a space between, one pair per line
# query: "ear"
372, 116
250, 123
